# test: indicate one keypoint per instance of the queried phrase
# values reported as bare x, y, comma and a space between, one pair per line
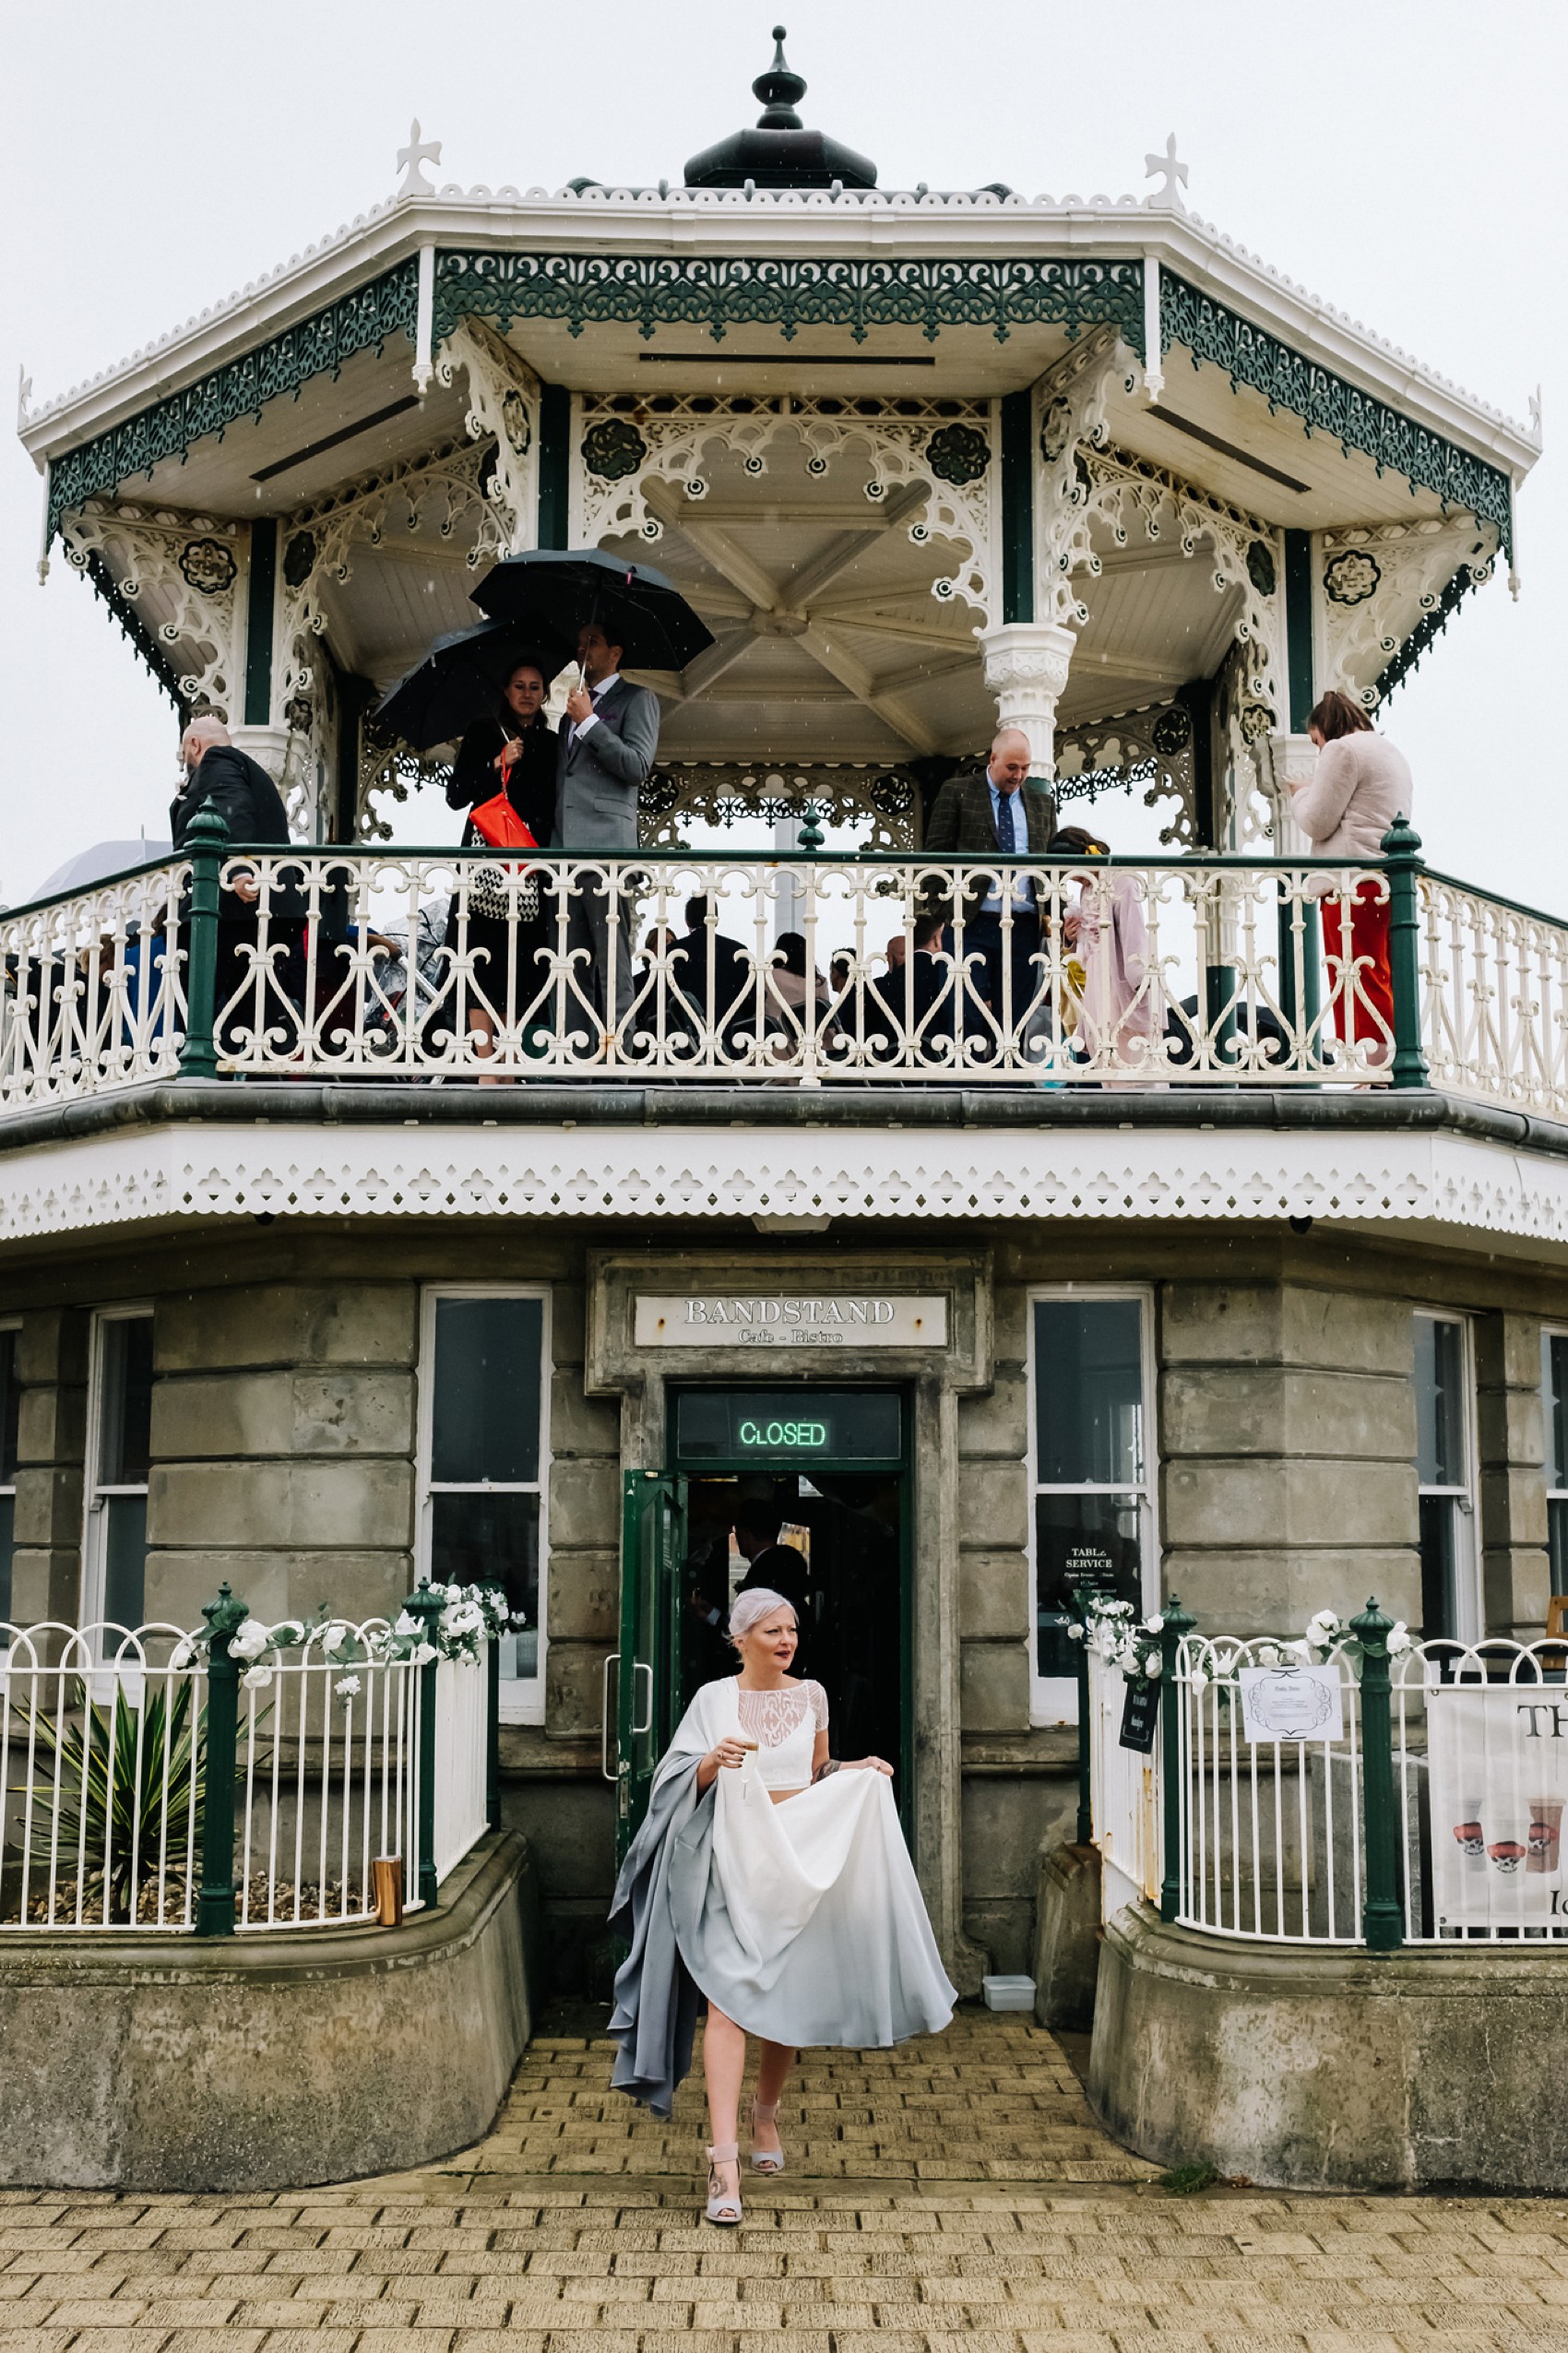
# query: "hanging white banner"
1497, 1762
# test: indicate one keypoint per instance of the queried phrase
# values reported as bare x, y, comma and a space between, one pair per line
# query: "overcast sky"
1403, 156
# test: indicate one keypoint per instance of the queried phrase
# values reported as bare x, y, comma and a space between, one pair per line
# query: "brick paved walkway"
954, 2197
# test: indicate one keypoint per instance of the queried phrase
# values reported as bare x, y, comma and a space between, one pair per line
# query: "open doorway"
805, 1490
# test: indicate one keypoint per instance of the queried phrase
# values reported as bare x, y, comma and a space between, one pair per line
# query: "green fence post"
1401, 849
215, 1898
492, 1732
426, 1607
1383, 1922
1178, 1623
208, 842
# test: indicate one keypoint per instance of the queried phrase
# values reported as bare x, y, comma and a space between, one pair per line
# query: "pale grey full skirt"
802, 1921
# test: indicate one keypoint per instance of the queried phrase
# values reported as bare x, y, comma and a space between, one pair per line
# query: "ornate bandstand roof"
803, 395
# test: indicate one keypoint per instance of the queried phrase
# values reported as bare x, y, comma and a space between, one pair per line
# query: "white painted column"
1294, 756
1026, 668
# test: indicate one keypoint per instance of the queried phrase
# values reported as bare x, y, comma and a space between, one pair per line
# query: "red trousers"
1358, 968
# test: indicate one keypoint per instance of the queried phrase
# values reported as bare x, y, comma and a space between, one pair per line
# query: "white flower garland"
469, 1616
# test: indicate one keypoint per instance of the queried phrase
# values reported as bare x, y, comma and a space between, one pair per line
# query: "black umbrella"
636, 606
463, 677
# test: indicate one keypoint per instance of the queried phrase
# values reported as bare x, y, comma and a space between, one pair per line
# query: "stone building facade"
287, 1450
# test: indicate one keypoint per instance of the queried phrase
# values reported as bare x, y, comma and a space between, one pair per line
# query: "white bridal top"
784, 1724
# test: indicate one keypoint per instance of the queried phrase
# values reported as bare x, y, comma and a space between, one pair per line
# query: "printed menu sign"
1498, 1759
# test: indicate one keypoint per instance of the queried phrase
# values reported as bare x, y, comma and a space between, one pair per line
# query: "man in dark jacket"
220, 777
992, 816
720, 996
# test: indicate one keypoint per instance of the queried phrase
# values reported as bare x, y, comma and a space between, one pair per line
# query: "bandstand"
924, 461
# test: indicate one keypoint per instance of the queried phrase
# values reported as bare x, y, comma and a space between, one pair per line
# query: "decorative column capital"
267, 745
1293, 758
1026, 664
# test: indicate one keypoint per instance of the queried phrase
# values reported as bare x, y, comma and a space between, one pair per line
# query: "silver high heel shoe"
723, 2205
765, 2160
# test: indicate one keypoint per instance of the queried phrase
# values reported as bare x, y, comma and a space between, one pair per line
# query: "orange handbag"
496, 891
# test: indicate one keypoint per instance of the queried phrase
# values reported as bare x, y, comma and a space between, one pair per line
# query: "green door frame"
652, 1546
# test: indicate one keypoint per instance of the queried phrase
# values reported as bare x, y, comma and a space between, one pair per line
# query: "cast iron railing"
152, 1779
1426, 1810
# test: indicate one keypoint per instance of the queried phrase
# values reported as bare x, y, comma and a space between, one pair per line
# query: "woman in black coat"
514, 752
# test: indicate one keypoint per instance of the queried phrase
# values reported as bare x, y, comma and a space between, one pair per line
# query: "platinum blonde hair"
751, 1606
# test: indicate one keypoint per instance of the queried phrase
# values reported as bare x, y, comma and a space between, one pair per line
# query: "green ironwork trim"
1017, 509
1327, 403
136, 629
316, 346
1427, 630
719, 291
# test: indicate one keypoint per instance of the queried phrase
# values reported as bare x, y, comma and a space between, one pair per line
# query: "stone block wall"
282, 1447
1288, 1443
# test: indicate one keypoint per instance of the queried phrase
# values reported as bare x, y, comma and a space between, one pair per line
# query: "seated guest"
839, 972
914, 1011
795, 998
713, 972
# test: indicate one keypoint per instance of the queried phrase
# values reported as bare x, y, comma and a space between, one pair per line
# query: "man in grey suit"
607, 749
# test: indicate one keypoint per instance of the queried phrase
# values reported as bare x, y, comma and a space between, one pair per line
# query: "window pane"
125, 1559
1440, 1403
123, 1446
8, 1545
1440, 1567
1079, 1540
1088, 1392
1557, 1539
484, 1423
1555, 1369
493, 1539
10, 1400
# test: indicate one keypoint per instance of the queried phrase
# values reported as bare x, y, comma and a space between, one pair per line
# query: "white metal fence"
328, 1773
99, 1786
1268, 1832
92, 989
1124, 1796
462, 1760
422, 965
1268, 1839
1494, 998
106, 1775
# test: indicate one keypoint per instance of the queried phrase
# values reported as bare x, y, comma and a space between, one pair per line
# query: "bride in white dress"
789, 1903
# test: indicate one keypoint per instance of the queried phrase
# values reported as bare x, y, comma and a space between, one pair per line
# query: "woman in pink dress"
1119, 1018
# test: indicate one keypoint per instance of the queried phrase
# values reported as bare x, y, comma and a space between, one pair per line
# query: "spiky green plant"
130, 1787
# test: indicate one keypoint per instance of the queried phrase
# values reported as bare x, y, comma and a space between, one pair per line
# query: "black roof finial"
779, 91
780, 152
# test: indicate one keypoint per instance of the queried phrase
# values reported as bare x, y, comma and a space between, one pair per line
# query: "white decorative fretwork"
1134, 499
438, 498
504, 395
623, 447
1151, 746
1068, 418
180, 574
977, 1173
1378, 581
880, 797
